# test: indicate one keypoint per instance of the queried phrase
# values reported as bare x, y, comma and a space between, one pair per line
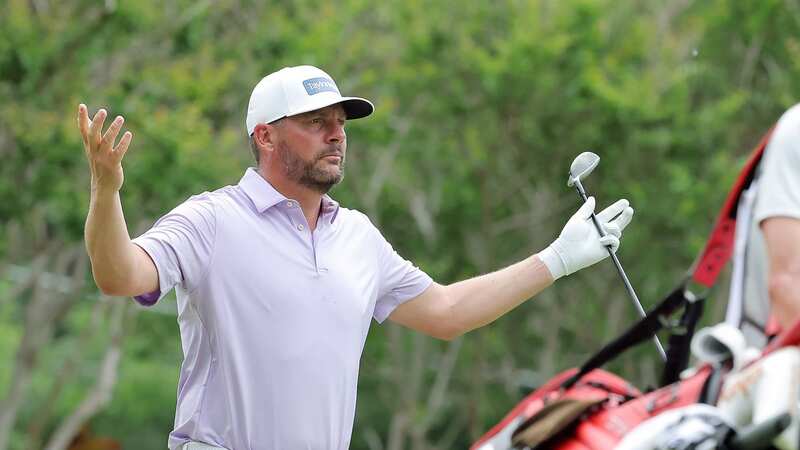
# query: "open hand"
579, 245
105, 159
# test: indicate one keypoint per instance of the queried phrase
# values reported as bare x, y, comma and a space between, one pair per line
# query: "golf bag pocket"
550, 411
592, 414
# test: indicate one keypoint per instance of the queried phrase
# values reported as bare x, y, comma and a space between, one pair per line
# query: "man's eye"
316, 120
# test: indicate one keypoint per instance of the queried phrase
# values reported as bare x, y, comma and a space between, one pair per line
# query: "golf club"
580, 168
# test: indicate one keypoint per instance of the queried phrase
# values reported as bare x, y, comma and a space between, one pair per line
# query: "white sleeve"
779, 183
400, 280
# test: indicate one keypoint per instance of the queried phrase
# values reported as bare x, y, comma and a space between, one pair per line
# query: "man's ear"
265, 137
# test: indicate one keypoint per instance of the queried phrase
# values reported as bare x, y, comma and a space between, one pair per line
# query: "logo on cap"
321, 84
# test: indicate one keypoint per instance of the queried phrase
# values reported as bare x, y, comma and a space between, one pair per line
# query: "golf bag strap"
712, 259
679, 343
642, 330
719, 247
787, 337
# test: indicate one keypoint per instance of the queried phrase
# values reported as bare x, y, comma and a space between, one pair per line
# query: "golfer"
277, 284
771, 275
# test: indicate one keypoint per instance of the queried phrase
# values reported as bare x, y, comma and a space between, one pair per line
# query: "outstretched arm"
119, 266
446, 312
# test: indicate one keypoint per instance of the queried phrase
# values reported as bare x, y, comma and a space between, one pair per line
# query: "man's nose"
336, 133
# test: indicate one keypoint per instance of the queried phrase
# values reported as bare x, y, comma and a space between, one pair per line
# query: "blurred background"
481, 107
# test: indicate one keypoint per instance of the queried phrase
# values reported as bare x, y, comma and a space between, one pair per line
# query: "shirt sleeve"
181, 245
779, 184
400, 280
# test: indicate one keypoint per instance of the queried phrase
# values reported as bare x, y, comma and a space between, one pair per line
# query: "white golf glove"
579, 245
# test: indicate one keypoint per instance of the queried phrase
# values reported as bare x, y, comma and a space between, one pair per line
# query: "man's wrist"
552, 260
101, 192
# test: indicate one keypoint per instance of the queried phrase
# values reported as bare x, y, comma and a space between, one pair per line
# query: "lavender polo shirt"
273, 317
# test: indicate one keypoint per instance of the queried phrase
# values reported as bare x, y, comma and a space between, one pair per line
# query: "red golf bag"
591, 409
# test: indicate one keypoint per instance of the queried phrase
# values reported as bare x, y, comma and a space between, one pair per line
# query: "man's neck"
310, 200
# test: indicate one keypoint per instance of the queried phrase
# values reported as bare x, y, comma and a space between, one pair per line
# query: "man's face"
311, 147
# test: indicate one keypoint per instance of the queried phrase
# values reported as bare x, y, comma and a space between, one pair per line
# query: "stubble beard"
316, 174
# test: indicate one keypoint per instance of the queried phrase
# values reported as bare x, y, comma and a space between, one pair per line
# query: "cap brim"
356, 107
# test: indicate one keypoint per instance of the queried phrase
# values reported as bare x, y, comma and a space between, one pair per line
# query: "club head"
582, 166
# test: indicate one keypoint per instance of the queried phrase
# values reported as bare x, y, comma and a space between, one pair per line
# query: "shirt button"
301, 227
290, 204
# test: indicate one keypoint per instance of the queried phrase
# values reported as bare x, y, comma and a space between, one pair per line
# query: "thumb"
587, 209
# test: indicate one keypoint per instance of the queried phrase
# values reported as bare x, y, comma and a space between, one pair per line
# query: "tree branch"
100, 395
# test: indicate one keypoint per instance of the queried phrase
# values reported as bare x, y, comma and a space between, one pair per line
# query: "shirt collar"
330, 208
264, 196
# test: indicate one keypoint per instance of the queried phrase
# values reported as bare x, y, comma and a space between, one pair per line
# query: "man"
277, 284
777, 211
770, 260
766, 285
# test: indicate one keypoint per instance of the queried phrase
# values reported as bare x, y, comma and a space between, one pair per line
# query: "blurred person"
277, 284
769, 297
770, 259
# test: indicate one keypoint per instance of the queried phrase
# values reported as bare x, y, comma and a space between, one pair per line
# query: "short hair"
254, 149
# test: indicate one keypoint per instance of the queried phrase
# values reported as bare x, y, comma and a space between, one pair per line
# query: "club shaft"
628, 287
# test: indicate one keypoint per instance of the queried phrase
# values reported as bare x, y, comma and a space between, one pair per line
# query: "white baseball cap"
295, 90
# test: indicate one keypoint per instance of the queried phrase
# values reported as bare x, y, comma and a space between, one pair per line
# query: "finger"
83, 123
610, 240
122, 147
97, 125
111, 134
612, 229
623, 219
586, 210
612, 211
